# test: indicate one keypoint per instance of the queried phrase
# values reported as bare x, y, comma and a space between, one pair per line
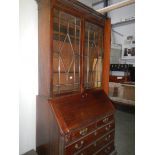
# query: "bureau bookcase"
74, 114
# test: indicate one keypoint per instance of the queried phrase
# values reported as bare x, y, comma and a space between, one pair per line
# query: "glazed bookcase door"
93, 56
66, 53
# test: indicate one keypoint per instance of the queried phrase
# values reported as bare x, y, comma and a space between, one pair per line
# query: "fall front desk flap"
75, 111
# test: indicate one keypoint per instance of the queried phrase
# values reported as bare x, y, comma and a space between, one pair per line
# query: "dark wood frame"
81, 11
45, 8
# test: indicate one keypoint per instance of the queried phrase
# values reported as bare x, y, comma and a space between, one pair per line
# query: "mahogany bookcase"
74, 113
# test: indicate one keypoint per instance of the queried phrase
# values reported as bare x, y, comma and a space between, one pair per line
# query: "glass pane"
66, 57
93, 56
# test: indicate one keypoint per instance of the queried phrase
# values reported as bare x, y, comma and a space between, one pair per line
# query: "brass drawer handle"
108, 127
108, 137
107, 149
105, 120
84, 95
79, 146
83, 131
95, 133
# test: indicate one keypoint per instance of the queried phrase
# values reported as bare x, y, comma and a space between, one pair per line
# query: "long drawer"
76, 134
80, 144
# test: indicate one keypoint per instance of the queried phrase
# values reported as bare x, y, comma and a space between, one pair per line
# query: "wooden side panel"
56, 140
106, 59
48, 138
43, 123
44, 47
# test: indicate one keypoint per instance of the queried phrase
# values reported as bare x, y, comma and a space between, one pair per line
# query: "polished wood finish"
44, 42
78, 133
105, 120
82, 110
73, 122
106, 60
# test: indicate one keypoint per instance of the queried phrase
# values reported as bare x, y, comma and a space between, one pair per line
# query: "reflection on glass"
66, 57
93, 56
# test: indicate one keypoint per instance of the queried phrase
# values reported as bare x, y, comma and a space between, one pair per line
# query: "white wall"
28, 74
123, 12
119, 15
86, 2
116, 16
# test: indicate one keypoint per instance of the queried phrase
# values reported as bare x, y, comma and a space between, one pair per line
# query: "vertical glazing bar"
102, 51
98, 60
79, 53
67, 73
95, 68
88, 60
75, 50
101, 56
59, 56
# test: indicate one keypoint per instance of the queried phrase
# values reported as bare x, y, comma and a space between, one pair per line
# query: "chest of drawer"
80, 144
105, 120
76, 134
97, 145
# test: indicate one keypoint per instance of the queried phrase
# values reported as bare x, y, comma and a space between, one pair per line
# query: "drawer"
105, 120
106, 150
106, 139
80, 144
80, 133
105, 129
88, 151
